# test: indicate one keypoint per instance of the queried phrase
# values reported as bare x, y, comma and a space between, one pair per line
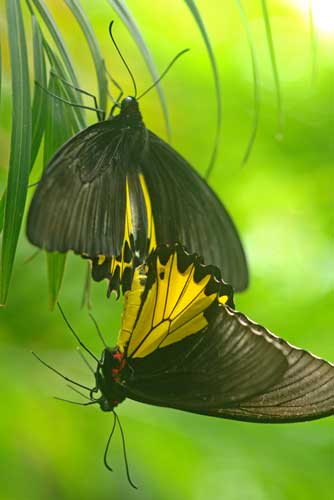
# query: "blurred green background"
282, 202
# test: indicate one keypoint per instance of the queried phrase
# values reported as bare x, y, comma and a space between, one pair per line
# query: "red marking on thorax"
119, 357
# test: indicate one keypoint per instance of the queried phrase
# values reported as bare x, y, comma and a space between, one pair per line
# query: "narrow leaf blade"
313, 40
61, 46
20, 153
272, 54
56, 268
39, 100
256, 86
199, 21
94, 48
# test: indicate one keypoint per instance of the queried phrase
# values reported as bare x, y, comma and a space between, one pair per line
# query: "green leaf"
3, 197
0, 69
61, 46
40, 97
2, 209
87, 289
59, 127
195, 12
100, 69
124, 13
256, 85
68, 92
271, 48
56, 267
314, 41
20, 152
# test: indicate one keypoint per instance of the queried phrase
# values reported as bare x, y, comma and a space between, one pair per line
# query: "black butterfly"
115, 191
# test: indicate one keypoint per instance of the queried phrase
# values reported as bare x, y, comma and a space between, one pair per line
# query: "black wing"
188, 350
187, 210
238, 370
90, 200
79, 203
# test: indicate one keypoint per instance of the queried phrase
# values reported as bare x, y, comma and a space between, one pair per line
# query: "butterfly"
116, 190
183, 345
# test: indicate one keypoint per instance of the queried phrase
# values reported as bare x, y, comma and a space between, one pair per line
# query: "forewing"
79, 203
187, 210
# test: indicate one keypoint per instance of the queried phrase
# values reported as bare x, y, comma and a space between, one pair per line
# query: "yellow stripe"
149, 214
128, 218
132, 301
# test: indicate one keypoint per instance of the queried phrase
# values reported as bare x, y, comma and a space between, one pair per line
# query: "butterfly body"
115, 191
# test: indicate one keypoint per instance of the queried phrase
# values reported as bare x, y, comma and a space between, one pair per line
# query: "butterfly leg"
66, 101
100, 113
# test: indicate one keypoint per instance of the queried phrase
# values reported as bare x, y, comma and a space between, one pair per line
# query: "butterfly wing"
187, 210
79, 203
190, 351
90, 200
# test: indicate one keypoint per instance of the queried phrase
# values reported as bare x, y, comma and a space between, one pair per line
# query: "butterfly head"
108, 379
130, 111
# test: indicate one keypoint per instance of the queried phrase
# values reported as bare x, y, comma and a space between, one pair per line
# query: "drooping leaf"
199, 21
20, 152
40, 97
100, 69
2, 209
0, 69
313, 38
3, 196
68, 92
125, 14
86, 300
272, 54
61, 46
256, 85
56, 268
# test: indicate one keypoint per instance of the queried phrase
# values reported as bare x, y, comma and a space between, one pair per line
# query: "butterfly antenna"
108, 445
76, 335
90, 368
124, 453
98, 330
164, 72
124, 61
60, 374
